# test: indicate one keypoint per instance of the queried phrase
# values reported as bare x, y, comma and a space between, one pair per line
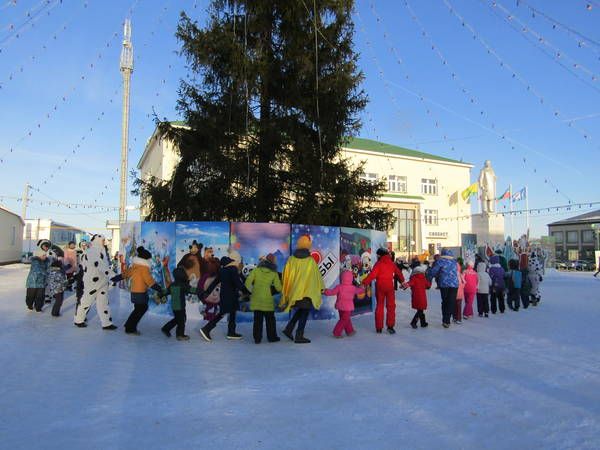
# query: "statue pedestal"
489, 228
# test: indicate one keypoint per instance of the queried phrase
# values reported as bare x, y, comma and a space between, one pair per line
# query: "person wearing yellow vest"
302, 288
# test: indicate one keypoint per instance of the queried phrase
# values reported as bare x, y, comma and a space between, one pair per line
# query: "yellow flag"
470, 191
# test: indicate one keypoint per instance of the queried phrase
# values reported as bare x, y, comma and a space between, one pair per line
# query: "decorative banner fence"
334, 249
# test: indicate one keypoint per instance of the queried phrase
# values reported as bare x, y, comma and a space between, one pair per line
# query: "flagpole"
510, 199
527, 209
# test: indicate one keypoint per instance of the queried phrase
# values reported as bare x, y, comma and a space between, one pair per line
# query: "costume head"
98, 240
208, 253
195, 247
44, 244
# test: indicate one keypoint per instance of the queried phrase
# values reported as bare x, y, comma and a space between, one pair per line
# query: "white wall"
11, 237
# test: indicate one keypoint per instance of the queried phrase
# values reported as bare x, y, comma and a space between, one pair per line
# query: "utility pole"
25, 201
126, 70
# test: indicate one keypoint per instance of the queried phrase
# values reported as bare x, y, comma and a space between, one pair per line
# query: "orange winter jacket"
139, 274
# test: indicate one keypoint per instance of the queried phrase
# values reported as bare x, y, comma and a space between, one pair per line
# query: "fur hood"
140, 261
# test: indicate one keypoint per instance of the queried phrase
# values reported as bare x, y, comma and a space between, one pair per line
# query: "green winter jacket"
178, 293
259, 282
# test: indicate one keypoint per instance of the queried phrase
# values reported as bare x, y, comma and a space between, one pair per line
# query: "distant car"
580, 265
561, 265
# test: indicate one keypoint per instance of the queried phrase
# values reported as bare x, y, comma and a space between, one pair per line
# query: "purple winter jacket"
496, 273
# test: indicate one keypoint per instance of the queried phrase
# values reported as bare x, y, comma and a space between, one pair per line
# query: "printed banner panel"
356, 255
325, 251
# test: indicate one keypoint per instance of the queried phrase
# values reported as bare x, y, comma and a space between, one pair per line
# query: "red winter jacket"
383, 273
418, 286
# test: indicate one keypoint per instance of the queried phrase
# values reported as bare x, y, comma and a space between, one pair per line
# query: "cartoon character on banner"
246, 269
366, 266
211, 302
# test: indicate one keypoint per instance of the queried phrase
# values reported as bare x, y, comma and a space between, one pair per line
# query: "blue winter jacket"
445, 272
38, 272
515, 279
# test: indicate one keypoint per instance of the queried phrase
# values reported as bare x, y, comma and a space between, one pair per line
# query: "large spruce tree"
268, 104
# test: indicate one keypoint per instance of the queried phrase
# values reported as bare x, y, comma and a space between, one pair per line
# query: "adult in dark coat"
229, 301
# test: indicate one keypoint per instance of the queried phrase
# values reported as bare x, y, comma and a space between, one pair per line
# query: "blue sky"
415, 103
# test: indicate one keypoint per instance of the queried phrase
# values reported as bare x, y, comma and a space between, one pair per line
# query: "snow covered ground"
527, 380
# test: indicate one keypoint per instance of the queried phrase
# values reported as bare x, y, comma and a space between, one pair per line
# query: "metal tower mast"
126, 70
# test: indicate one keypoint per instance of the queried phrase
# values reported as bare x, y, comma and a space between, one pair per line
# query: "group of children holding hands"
301, 287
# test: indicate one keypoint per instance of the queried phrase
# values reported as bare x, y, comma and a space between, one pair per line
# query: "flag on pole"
471, 190
506, 195
520, 195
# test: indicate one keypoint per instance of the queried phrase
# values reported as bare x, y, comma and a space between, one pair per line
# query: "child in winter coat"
497, 292
302, 287
178, 291
141, 281
57, 283
525, 286
345, 292
36, 279
229, 295
460, 294
514, 279
384, 271
483, 290
419, 284
471, 281
262, 281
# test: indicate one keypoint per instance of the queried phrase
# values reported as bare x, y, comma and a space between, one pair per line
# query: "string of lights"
554, 110
44, 8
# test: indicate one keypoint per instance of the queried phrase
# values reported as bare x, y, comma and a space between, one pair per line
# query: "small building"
423, 189
58, 233
576, 238
11, 236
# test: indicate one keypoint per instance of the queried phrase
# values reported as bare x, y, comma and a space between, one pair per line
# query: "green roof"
381, 147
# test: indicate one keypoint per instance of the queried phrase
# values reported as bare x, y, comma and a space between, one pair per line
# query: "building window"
558, 237
406, 230
431, 216
369, 177
428, 186
397, 183
572, 237
587, 236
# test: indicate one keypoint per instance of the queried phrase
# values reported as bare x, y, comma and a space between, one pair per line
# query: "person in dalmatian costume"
96, 275
536, 271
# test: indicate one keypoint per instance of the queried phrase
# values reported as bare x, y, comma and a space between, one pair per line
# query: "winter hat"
271, 258
470, 263
304, 242
179, 275
235, 256
421, 268
495, 259
143, 253
382, 251
42, 242
447, 252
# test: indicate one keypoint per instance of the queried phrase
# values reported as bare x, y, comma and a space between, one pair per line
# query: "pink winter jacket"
345, 292
471, 281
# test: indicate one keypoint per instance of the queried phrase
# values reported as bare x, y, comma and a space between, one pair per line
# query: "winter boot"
378, 330
391, 330
81, 325
183, 338
300, 339
205, 334
424, 323
110, 327
234, 336
288, 333
166, 332
413, 324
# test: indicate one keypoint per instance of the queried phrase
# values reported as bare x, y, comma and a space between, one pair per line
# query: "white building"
11, 236
58, 233
423, 190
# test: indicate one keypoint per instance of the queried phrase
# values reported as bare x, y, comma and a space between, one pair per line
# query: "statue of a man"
487, 188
